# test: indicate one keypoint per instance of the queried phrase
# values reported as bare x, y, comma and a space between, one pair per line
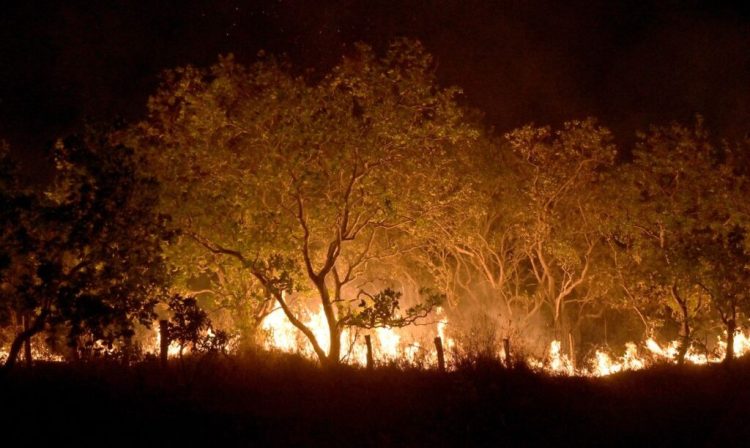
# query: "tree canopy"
309, 183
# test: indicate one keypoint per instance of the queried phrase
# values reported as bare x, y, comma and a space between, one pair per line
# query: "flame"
389, 344
559, 363
38, 353
442, 325
173, 350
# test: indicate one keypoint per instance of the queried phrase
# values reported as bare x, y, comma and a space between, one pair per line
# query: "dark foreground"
283, 401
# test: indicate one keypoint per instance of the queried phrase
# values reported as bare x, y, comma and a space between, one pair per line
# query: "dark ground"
284, 401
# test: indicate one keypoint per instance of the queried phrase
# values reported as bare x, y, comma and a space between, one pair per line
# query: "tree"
89, 263
476, 254
309, 183
15, 209
683, 239
234, 299
563, 217
720, 246
189, 325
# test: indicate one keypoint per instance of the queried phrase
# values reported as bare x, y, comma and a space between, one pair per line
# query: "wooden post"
163, 341
370, 362
27, 343
506, 348
572, 350
440, 355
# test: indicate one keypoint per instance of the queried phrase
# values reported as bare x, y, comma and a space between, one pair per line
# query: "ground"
261, 400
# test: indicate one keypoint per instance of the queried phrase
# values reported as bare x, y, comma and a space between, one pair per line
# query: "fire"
559, 363
442, 325
741, 345
604, 365
38, 353
389, 344
173, 350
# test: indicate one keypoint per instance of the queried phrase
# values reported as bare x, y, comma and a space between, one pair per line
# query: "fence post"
163, 341
368, 342
440, 354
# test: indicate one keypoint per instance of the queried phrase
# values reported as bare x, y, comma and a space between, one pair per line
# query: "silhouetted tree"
87, 254
687, 239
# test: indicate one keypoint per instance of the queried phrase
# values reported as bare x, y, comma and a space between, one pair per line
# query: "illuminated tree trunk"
334, 351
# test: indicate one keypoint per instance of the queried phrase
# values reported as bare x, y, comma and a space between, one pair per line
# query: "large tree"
687, 227
309, 181
84, 259
562, 220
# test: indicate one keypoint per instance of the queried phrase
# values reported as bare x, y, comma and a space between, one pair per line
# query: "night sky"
519, 62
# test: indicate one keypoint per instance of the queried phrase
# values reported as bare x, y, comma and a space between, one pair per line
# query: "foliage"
87, 259
190, 326
382, 310
686, 227
307, 185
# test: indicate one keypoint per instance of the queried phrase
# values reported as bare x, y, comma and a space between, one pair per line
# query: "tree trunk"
370, 361
334, 351
27, 343
163, 342
731, 327
684, 342
21, 338
685, 326
15, 347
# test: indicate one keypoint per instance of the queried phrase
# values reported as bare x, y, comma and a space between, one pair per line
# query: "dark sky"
629, 63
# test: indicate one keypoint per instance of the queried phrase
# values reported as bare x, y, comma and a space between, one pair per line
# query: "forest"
364, 229
372, 193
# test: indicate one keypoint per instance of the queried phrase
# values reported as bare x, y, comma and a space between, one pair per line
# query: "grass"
282, 400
